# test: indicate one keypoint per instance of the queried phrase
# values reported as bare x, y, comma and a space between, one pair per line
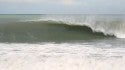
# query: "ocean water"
62, 42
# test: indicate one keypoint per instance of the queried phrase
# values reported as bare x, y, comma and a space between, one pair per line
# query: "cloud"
21, 1
64, 2
68, 2
63, 6
73, 2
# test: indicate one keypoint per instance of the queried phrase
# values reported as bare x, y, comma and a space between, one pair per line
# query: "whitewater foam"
64, 56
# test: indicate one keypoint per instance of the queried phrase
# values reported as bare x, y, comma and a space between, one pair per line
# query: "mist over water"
62, 42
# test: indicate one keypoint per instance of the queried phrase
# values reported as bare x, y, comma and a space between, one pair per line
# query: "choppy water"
62, 42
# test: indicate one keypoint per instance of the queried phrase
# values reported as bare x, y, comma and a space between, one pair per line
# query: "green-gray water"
54, 28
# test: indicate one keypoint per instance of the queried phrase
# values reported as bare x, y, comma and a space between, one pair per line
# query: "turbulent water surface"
62, 42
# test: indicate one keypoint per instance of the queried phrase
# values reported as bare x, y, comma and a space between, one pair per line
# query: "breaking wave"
63, 28
107, 24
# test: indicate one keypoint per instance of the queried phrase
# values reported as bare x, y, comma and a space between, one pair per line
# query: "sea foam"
64, 56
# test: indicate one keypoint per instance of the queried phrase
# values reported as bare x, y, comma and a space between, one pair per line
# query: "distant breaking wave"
109, 25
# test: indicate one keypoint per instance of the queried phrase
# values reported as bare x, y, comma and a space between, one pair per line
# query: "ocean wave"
63, 28
105, 24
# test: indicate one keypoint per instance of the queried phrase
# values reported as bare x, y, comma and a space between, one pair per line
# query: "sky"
62, 6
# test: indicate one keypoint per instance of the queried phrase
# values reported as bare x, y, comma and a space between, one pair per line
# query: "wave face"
39, 28
46, 31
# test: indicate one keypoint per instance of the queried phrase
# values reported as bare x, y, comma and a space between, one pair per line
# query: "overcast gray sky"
62, 6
